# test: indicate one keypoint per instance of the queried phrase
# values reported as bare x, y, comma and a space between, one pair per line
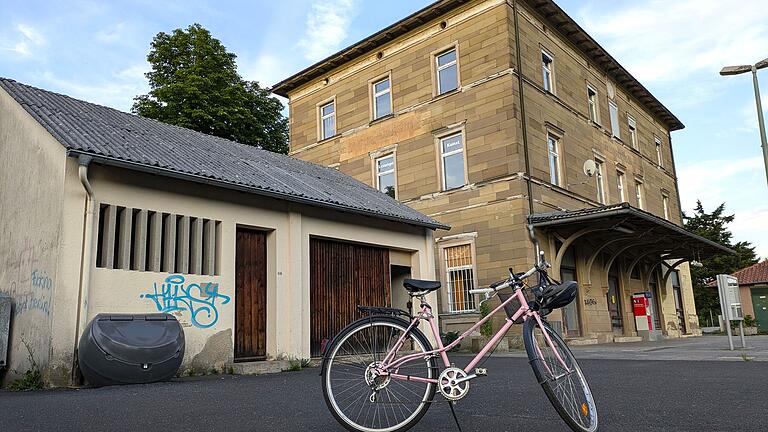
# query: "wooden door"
250, 295
343, 276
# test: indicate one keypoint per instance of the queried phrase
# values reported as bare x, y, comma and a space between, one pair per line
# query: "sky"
96, 51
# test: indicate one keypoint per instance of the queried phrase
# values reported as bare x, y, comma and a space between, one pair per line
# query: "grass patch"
32, 379
297, 364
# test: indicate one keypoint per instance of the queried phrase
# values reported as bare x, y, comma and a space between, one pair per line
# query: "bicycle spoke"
366, 396
562, 376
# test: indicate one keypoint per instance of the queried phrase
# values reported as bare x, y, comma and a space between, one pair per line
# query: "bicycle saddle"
420, 286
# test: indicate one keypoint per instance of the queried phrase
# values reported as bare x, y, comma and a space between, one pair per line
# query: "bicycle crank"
453, 383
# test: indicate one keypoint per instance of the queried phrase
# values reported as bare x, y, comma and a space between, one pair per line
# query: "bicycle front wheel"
560, 376
359, 394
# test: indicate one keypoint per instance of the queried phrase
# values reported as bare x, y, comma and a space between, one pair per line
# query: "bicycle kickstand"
450, 404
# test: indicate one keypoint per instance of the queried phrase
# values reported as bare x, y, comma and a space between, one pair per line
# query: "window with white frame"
592, 102
621, 186
547, 69
460, 278
665, 205
613, 110
452, 156
659, 159
385, 174
639, 193
553, 148
327, 120
600, 181
632, 131
447, 68
382, 98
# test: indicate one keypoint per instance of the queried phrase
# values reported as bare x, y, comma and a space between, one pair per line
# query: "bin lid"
138, 338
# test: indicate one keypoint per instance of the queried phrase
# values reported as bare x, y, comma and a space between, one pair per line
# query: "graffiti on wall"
32, 293
201, 300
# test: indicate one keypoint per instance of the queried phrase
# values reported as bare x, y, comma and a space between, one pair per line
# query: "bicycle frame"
390, 362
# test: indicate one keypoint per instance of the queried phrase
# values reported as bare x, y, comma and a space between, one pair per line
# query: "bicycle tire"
328, 364
580, 413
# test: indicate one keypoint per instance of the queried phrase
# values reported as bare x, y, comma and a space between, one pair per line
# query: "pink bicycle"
380, 374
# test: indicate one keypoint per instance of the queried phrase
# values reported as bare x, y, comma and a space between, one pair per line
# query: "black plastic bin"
131, 349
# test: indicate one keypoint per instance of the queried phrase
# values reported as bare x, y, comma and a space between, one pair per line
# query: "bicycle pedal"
481, 371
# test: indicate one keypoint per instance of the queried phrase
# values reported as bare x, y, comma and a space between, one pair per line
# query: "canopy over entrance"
621, 230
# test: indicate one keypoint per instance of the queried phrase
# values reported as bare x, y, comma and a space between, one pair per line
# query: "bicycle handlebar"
541, 265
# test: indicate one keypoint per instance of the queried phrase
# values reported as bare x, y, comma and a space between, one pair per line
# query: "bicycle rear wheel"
363, 399
560, 376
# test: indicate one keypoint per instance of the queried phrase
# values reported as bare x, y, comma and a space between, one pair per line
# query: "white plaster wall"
290, 228
31, 197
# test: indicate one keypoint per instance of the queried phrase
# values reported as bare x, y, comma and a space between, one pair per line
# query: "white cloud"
266, 69
114, 33
749, 112
741, 185
25, 42
669, 40
326, 27
117, 92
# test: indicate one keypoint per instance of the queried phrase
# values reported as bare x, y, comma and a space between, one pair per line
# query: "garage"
343, 276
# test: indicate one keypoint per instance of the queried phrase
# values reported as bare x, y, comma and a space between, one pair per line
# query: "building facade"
258, 255
485, 114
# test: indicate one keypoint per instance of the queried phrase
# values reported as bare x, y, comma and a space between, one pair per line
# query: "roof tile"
87, 128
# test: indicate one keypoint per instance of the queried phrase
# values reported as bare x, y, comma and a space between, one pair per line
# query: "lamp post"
736, 70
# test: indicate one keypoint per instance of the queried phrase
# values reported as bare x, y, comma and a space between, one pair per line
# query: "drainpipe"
85, 261
523, 120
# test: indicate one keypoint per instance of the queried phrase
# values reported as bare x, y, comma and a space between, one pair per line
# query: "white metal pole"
741, 331
724, 311
760, 120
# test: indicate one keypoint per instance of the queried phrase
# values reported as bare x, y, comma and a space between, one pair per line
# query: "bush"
486, 329
449, 337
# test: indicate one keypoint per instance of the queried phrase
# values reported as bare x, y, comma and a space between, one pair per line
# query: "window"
382, 99
665, 205
659, 160
600, 181
553, 145
144, 240
327, 120
620, 183
613, 109
547, 69
447, 71
452, 150
385, 174
459, 276
632, 131
639, 193
592, 101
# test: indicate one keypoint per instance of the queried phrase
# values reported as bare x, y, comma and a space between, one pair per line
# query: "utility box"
131, 349
5, 328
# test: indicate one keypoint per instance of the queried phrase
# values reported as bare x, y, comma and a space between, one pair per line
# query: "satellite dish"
590, 168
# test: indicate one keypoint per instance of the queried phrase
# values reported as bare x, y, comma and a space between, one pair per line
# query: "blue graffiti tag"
174, 295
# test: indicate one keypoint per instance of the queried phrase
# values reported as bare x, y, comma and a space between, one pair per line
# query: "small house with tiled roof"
260, 256
753, 287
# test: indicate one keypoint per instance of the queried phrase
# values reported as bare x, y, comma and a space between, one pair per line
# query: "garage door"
342, 276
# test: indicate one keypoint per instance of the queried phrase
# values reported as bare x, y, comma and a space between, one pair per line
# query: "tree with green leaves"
714, 226
194, 84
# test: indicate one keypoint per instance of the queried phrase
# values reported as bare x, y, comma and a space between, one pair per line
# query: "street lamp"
736, 70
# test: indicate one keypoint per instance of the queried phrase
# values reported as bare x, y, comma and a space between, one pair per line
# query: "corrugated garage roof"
116, 138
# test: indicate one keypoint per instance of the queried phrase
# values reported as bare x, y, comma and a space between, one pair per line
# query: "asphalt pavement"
631, 395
